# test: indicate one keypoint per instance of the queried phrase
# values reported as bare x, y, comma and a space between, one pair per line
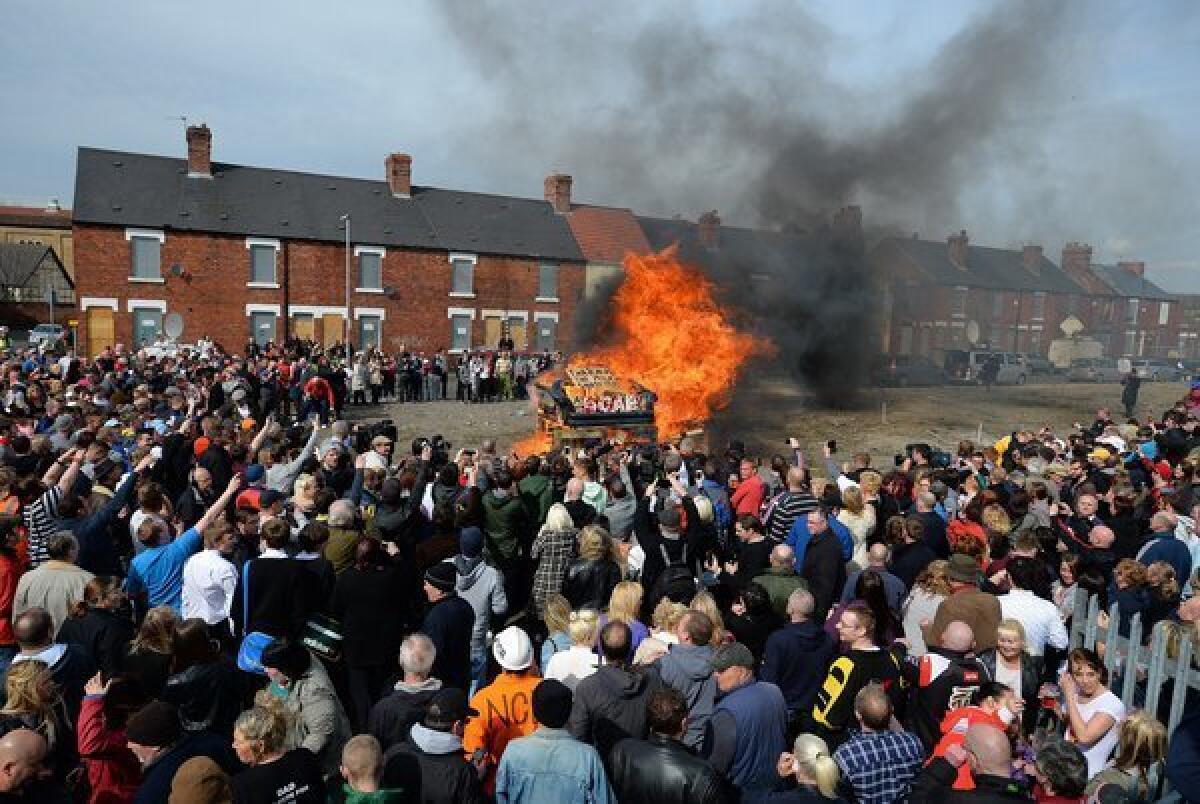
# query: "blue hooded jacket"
798, 538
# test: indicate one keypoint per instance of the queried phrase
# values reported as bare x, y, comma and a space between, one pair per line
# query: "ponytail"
827, 774
814, 760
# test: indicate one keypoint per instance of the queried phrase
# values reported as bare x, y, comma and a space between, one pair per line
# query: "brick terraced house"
243, 252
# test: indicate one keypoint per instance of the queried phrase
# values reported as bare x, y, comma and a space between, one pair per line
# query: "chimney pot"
199, 151
1135, 267
708, 229
1031, 257
557, 188
957, 248
398, 168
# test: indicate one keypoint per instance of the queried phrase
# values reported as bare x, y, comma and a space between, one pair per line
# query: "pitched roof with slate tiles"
1130, 285
989, 268
762, 251
20, 261
127, 189
38, 217
607, 234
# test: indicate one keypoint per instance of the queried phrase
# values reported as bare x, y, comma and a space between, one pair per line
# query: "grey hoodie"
435, 742
483, 587
686, 669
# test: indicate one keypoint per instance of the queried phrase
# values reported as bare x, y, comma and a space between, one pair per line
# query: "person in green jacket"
780, 578
509, 534
536, 490
362, 770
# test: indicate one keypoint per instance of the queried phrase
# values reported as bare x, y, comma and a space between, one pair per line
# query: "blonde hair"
593, 543
625, 602
704, 508
558, 518
870, 482
1130, 572
814, 761
1013, 627
557, 613
30, 688
583, 626
706, 603
667, 615
996, 520
302, 481
1161, 576
1142, 743
933, 579
852, 500
268, 725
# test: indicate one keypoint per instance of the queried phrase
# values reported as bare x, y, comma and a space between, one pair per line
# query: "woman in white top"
929, 590
579, 661
859, 519
1092, 712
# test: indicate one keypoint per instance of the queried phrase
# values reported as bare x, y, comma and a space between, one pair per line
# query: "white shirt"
1097, 754
1043, 625
572, 665
209, 584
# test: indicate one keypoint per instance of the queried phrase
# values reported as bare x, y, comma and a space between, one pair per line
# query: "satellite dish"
173, 325
973, 332
176, 269
1071, 326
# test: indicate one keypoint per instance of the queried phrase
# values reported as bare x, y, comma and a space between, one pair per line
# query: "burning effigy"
668, 360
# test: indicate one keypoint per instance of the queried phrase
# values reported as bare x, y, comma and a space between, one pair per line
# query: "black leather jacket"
209, 696
664, 771
1031, 682
589, 582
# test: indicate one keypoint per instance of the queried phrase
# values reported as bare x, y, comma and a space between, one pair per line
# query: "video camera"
439, 446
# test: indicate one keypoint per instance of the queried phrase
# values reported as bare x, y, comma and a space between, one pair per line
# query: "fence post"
1183, 682
1156, 672
1133, 649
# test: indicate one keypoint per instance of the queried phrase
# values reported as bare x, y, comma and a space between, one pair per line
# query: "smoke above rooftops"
744, 108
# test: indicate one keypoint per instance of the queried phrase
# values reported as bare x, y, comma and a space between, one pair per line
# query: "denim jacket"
563, 768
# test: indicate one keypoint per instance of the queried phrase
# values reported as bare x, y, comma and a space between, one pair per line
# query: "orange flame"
672, 337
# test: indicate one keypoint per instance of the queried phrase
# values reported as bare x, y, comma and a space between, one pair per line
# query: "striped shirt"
784, 510
40, 517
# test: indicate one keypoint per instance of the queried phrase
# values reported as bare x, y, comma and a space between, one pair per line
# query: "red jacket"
112, 769
319, 388
10, 573
747, 498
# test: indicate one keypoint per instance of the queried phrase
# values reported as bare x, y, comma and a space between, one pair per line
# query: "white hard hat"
512, 649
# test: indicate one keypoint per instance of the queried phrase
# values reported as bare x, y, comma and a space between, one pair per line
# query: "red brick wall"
212, 299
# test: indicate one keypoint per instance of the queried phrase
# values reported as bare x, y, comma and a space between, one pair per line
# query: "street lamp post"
346, 332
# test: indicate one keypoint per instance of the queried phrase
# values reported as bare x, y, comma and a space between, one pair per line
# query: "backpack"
676, 582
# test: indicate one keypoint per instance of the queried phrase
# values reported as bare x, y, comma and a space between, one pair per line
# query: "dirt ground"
940, 416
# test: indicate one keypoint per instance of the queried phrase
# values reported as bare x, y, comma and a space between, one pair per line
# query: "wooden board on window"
516, 329
333, 328
492, 328
304, 327
100, 330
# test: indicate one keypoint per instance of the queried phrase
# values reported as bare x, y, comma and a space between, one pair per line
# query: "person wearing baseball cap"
481, 585
550, 760
430, 763
749, 724
506, 701
449, 623
968, 604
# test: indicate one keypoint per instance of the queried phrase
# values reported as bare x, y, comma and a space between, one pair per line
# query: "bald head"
1101, 537
877, 556
991, 749
21, 755
958, 637
574, 489
34, 628
797, 478
873, 707
783, 556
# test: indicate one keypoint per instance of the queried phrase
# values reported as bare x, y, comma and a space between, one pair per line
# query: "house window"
1072, 304
1164, 313
1039, 306
545, 333
369, 331
262, 327
462, 275
147, 325
959, 302
1131, 315
1035, 342
997, 305
262, 265
1130, 343
146, 251
460, 332
547, 282
370, 270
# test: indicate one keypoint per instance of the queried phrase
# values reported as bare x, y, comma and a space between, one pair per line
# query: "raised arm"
218, 507
71, 461
257, 443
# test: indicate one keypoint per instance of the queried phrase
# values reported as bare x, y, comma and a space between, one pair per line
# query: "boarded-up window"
463, 280
262, 264
370, 271
547, 281
146, 257
460, 332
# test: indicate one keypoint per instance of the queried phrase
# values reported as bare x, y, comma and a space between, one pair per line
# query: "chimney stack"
1077, 263
558, 192
847, 223
958, 249
398, 168
199, 144
708, 230
1135, 267
1031, 257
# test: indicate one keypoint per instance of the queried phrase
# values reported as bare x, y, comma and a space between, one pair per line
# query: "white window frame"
146, 304
378, 251
264, 308
264, 242
1164, 313
469, 312
87, 302
532, 343
132, 234
376, 313
557, 275
316, 310
1039, 301
960, 309
1132, 311
462, 257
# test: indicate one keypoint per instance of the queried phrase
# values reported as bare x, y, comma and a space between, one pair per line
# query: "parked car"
1155, 369
46, 332
1040, 365
904, 370
1094, 369
964, 366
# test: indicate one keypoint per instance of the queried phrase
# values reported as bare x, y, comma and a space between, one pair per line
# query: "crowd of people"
208, 595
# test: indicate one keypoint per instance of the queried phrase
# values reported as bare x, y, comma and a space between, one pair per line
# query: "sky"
762, 109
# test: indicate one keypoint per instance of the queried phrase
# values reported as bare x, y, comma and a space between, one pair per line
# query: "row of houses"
246, 252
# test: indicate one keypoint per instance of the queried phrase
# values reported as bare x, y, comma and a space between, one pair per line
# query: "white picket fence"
1128, 660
